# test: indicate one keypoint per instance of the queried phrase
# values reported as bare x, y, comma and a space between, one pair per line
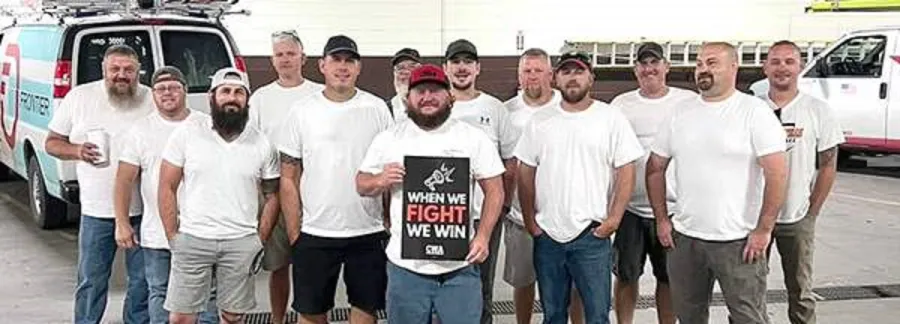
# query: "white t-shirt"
85, 108
398, 109
760, 88
487, 113
815, 129
645, 115
143, 147
452, 139
221, 179
331, 138
576, 155
271, 104
519, 115
716, 146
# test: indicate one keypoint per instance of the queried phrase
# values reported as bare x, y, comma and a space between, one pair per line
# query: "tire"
47, 211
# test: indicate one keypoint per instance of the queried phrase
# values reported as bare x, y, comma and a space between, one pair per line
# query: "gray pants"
796, 245
193, 261
487, 269
694, 265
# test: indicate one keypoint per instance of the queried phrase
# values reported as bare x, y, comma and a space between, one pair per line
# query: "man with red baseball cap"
418, 286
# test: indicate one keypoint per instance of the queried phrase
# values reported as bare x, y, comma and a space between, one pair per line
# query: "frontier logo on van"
12, 51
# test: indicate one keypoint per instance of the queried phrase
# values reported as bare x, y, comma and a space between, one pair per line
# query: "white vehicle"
859, 76
43, 59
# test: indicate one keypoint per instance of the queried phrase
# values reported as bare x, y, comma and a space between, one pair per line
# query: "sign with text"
436, 194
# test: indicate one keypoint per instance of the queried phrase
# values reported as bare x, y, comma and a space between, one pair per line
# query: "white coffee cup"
100, 138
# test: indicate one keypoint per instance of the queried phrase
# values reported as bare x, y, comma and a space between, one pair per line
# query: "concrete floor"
857, 244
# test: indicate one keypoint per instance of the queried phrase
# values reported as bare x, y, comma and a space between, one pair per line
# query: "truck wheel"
47, 211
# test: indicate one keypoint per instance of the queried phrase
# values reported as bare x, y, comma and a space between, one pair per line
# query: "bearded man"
574, 155
731, 174
417, 288
225, 165
87, 127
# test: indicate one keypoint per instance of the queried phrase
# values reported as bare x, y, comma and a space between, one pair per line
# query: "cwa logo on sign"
435, 250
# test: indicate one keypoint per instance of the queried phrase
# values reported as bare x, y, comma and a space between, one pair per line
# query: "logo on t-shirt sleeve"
436, 195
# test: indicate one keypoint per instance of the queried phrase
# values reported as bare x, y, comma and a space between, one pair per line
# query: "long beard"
429, 121
228, 122
122, 97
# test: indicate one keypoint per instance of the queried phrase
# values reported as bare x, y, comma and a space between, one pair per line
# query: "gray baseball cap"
168, 73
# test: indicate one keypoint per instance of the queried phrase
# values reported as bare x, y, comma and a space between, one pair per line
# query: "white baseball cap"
229, 75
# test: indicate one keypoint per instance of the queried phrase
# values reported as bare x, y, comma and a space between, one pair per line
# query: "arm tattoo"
826, 157
285, 158
270, 186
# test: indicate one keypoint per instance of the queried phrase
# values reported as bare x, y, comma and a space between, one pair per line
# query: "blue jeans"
454, 296
96, 252
158, 262
586, 260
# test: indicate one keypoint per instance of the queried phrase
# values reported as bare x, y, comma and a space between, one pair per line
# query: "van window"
92, 47
197, 54
858, 57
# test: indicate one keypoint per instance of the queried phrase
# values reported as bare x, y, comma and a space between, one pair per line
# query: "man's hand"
393, 174
757, 243
664, 232
170, 236
534, 229
125, 236
478, 249
293, 236
88, 152
605, 229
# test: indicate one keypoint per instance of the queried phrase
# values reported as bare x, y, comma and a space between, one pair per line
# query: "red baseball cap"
428, 73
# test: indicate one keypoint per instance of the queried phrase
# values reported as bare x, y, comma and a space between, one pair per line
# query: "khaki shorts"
278, 248
191, 276
519, 269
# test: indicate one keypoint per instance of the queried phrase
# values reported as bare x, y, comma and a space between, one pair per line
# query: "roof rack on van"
205, 9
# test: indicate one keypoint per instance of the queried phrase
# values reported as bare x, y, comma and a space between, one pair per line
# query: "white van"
41, 61
859, 75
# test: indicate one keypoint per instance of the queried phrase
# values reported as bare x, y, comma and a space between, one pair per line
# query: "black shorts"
317, 264
635, 240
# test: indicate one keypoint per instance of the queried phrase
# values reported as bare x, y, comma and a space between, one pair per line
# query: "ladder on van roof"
193, 8
682, 54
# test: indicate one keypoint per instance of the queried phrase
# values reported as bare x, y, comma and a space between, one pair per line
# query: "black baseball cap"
580, 58
341, 43
406, 54
650, 48
461, 46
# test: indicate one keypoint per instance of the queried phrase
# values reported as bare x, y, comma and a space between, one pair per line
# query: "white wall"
381, 27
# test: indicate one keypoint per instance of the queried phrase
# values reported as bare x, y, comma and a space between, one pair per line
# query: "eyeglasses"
406, 66
169, 88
